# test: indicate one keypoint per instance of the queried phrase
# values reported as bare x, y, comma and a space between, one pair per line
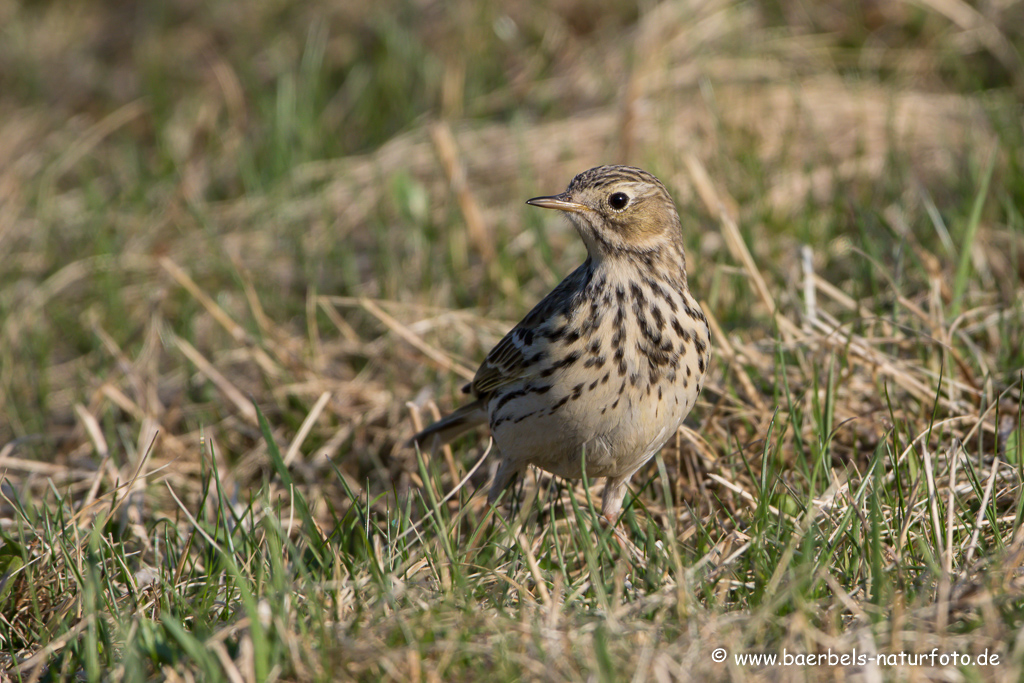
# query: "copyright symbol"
718, 654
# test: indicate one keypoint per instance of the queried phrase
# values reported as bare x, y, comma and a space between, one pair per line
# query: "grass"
244, 251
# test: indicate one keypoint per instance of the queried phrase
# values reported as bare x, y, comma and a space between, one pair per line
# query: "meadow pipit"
605, 368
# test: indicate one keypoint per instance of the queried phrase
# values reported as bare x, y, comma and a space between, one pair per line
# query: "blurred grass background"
319, 207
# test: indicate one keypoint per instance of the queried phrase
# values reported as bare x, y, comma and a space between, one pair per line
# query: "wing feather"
515, 358
505, 364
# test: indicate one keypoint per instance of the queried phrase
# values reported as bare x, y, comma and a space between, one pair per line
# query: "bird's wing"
508, 362
521, 354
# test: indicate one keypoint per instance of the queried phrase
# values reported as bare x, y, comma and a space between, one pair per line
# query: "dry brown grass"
167, 264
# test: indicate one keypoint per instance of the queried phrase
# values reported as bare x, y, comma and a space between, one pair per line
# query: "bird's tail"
444, 430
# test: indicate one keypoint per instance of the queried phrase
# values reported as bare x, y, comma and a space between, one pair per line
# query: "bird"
602, 372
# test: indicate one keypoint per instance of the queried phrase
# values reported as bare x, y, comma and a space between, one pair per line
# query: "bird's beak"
560, 202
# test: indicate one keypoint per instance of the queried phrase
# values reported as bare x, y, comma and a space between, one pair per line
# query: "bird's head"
618, 211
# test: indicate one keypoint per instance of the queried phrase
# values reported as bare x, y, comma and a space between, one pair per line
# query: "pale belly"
616, 429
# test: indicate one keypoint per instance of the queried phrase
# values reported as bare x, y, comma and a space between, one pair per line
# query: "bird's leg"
611, 499
506, 475
611, 507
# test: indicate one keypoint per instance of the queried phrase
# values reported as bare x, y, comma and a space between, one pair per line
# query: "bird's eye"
618, 200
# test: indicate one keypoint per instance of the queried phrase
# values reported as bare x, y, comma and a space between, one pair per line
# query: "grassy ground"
245, 247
